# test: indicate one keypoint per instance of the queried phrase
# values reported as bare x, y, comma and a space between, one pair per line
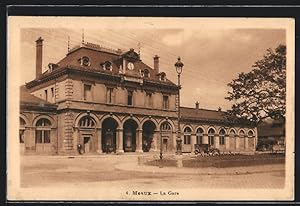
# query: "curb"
198, 171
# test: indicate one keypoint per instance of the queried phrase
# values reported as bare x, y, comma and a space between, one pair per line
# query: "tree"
261, 93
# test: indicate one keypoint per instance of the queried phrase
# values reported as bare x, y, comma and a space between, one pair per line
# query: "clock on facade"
130, 66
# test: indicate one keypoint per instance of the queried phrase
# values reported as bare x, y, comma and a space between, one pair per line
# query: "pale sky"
211, 57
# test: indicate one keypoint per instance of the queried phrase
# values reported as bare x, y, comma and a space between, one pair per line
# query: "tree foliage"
261, 93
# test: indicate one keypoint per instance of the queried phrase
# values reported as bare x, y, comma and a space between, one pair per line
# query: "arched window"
242, 134
42, 133
242, 141
43, 122
232, 133
199, 136
222, 137
187, 135
87, 122
211, 133
250, 134
22, 130
165, 127
251, 139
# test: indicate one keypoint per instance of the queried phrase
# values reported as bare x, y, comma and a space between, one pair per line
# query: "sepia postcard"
150, 108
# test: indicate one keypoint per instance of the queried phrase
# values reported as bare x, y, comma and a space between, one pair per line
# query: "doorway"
129, 135
148, 131
86, 144
165, 144
109, 141
166, 133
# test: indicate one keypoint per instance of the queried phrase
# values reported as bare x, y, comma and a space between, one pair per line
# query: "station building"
109, 101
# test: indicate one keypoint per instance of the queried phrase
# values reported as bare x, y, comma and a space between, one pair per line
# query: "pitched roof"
28, 100
97, 58
202, 114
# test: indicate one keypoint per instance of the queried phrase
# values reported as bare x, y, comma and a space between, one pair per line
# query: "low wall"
215, 161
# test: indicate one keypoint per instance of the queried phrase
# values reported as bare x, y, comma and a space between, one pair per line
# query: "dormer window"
162, 76
146, 73
85, 61
108, 66
52, 66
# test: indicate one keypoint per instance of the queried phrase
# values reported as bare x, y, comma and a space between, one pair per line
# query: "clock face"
130, 66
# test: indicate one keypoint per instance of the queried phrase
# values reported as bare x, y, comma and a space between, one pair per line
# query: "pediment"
131, 55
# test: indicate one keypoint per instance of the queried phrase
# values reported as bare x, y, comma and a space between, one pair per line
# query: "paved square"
122, 170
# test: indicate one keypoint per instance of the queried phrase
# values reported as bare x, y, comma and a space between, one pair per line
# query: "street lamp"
178, 66
161, 152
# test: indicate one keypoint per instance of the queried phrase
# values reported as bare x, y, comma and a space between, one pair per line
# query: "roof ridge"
201, 109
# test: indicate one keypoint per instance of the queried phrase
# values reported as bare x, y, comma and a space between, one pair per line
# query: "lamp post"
161, 152
178, 66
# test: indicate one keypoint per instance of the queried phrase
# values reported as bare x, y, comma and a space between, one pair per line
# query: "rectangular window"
222, 140
165, 102
109, 95
52, 94
38, 136
149, 102
46, 136
46, 95
199, 139
87, 93
129, 99
187, 139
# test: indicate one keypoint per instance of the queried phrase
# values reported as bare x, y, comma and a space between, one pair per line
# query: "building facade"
270, 133
109, 101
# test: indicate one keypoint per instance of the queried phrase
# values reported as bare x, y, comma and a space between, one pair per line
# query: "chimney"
156, 63
197, 105
39, 56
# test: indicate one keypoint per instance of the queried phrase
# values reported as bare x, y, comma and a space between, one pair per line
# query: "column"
120, 141
75, 139
227, 141
27, 136
99, 145
246, 142
237, 139
31, 143
217, 141
174, 137
139, 140
205, 139
193, 142
155, 139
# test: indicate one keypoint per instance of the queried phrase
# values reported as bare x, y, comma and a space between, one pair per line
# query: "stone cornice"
111, 78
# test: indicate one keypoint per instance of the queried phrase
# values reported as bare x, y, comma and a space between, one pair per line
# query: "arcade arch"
87, 133
199, 135
109, 139
242, 139
130, 135
166, 136
148, 135
211, 136
222, 137
232, 138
